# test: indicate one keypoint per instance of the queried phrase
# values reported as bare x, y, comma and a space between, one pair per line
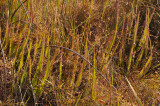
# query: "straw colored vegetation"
80, 52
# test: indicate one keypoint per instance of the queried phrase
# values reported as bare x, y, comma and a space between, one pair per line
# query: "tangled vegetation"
79, 52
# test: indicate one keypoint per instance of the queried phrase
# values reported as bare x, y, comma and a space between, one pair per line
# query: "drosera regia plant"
79, 52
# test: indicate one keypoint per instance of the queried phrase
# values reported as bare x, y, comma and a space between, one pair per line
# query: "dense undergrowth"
80, 52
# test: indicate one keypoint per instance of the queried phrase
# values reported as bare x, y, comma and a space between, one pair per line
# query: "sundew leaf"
73, 74
30, 69
19, 48
143, 37
23, 76
46, 74
21, 63
79, 80
21, 60
22, 53
133, 43
140, 56
6, 36
29, 51
75, 62
146, 29
91, 8
145, 67
78, 99
114, 36
117, 44
10, 46
60, 69
47, 48
35, 48
104, 8
39, 67
94, 92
